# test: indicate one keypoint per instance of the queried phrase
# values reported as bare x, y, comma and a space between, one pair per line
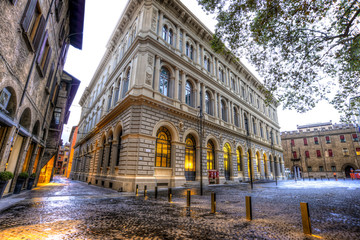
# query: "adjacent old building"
322, 149
34, 90
141, 112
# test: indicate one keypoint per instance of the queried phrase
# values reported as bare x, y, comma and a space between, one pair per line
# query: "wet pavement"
68, 209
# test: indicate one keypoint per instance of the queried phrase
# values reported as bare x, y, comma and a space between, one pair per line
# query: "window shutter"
342, 137
28, 14
53, 87
318, 153
305, 141
41, 53
294, 154
307, 154
330, 153
48, 57
316, 139
354, 135
327, 138
50, 75
292, 142
39, 31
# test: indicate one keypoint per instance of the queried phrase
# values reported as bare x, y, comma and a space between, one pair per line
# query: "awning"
77, 12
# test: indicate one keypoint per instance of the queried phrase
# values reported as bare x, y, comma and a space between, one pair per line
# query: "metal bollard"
305, 216
145, 191
213, 202
248, 208
188, 198
169, 195
137, 190
156, 192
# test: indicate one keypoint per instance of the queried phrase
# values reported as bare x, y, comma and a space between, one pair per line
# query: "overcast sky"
100, 20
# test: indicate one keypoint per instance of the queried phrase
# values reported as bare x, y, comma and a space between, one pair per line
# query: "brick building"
34, 91
322, 149
140, 112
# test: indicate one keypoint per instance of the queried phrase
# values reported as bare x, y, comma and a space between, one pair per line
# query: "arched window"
190, 153
227, 157
126, 84
110, 147
261, 131
223, 111
205, 62
170, 38
163, 148
188, 94
246, 123
208, 104
236, 117
103, 154
254, 125
221, 75
233, 84
187, 50
191, 52
110, 99
239, 159
164, 32
210, 155
118, 149
164, 81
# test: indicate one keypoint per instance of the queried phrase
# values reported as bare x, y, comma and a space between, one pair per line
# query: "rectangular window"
346, 152
251, 98
342, 138
355, 137
33, 24
333, 168
316, 140
327, 138
330, 153
243, 92
305, 141
321, 168
309, 169
318, 153
358, 151
294, 155
292, 142
307, 154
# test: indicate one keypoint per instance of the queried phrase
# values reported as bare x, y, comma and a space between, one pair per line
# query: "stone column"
198, 54
183, 84
203, 97
160, 23
197, 94
157, 73
184, 42
176, 87
232, 113
178, 38
216, 105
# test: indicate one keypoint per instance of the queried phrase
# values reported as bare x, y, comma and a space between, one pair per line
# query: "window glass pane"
164, 81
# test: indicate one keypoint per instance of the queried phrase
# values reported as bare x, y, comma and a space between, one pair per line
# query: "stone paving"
74, 210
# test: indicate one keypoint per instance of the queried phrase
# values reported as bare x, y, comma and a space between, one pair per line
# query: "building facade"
322, 149
72, 140
35, 36
141, 112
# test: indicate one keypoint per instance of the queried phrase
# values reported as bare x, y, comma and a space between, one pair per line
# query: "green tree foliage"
305, 50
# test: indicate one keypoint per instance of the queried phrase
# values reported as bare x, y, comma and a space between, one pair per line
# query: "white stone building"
140, 113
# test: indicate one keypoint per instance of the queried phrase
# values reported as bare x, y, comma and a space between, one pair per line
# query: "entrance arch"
347, 169
227, 157
190, 156
265, 166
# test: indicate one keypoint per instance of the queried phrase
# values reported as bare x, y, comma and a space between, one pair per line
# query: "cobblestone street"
68, 209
